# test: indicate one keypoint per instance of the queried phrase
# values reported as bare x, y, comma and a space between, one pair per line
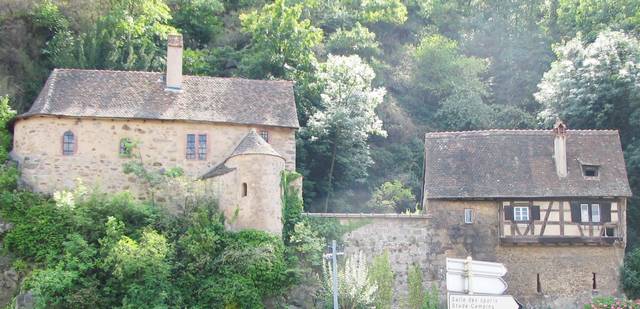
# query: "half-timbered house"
550, 204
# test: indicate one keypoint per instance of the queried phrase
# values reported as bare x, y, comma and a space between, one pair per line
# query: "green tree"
281, 41
346, 119
590, 17
281, 46
357, 40
129, 36
450, 84
387, 11
392, 196
597, 85
198, 20
6, 115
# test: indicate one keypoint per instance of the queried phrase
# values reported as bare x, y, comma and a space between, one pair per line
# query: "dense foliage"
607, 302
444, 65
94, 250
631, 274
370, 78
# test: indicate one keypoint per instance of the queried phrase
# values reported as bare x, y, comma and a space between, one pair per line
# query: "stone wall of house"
566, 272
261, 207
38, 149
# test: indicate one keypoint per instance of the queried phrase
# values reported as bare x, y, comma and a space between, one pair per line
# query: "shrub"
91, 211
631, 274
39, 227
103, 251
606, 302
291, 204
418, 298
217, 268
381, 275
355, 290
9, 176
6, 114
141, 270
307, 244
68, 283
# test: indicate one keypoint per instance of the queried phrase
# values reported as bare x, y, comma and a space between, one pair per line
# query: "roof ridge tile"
516, 131
184, 75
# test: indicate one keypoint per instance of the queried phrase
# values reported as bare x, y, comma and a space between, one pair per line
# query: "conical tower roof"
252, 143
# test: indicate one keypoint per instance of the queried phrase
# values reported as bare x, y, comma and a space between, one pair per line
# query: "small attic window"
590, 170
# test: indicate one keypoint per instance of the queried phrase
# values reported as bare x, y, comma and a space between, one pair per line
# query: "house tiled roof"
142, 95
520, 163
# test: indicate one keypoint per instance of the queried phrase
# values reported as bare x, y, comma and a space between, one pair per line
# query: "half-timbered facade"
550, 204
558, 221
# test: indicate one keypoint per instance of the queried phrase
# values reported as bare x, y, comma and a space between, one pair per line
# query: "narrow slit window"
191, 146
468, 216
538, 284
265, 135
594, 283
68, 143
244, 189
202, 147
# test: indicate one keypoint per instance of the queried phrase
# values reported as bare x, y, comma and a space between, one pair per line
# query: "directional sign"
479, 268
465, 301
479, 284
469, 276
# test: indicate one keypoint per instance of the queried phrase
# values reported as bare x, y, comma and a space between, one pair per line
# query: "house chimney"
174, 63
560, 148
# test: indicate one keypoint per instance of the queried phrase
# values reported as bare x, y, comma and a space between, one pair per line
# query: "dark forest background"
421, 65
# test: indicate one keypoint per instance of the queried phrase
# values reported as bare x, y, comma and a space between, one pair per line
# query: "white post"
467, 274
334, 274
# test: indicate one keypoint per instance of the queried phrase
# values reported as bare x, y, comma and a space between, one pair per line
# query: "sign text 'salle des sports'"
466, 301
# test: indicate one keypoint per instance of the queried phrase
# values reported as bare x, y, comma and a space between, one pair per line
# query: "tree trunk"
331, 167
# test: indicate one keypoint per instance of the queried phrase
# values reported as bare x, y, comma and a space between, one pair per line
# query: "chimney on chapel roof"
174, 63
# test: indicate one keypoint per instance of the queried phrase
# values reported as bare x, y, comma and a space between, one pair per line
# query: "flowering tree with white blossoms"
597, 86
346, 116
355, 290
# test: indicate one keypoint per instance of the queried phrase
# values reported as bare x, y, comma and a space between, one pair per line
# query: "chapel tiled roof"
520, 163
251, 144
142, 95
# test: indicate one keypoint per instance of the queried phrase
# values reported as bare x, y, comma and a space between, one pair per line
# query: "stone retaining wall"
566, 272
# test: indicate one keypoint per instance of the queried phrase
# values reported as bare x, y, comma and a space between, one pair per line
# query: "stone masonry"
37, 148
566, 272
